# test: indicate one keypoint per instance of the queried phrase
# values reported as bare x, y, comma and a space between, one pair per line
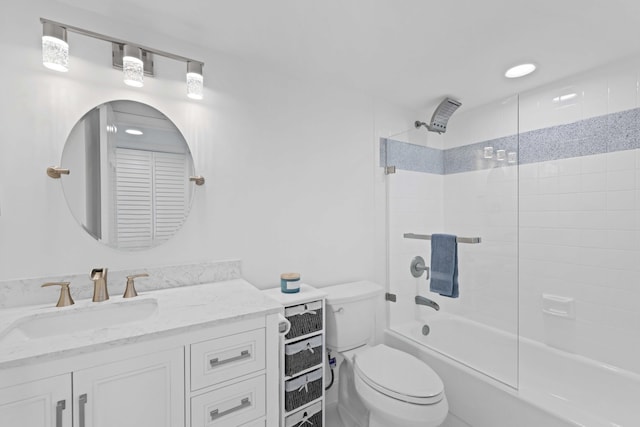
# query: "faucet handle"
130, 291
65, 295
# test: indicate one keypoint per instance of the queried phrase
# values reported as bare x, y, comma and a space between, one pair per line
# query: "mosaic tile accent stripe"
411, 157
603, 134
471, 157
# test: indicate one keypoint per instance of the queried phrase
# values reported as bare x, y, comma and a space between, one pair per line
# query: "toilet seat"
398, 375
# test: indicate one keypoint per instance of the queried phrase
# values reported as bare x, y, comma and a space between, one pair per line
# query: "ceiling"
409, 52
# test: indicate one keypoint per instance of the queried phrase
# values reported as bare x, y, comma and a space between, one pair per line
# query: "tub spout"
420, 300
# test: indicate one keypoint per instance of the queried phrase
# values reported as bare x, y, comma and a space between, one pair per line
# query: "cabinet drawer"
230, 406
226, 358
257, 423
301, 355
304, 318
303, 389
311, 416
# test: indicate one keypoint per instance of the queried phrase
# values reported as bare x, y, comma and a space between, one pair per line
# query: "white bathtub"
523, 383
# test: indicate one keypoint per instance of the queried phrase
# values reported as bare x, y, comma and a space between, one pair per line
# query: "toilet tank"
350, 315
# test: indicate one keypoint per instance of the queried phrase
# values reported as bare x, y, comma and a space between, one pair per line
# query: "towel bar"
428, 237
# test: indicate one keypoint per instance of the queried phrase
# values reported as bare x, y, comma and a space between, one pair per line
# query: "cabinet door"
145, 391
42, 403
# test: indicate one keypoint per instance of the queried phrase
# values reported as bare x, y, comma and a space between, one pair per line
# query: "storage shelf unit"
306, 311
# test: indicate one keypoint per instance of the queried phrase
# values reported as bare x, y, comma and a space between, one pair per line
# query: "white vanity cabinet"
40, 403
141, 391
218, 376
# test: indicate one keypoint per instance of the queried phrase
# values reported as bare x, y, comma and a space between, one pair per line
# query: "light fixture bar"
99, 36
135, 60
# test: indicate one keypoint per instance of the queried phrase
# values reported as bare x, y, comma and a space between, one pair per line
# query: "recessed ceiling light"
133, 132
520, 71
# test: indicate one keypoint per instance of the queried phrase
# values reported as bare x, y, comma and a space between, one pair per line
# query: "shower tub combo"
555, 388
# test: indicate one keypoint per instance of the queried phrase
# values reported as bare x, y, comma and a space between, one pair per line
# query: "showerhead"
441, 116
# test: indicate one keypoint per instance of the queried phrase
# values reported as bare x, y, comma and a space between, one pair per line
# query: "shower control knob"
418, 267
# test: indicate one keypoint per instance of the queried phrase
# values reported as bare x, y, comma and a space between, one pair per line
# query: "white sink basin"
72, 320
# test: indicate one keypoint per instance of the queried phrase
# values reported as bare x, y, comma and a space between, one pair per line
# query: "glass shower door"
465, 183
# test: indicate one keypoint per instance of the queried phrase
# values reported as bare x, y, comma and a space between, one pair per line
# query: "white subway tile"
592, 201
530, 170
621, 180
621, 160
528, 186
594, 163
569, 184
572, 166
596, 220
548, 169
595, 91
623, 220
548, 185
621, 200
594, 182
620, 259
623, 88
593, 238
624, 240
590, 256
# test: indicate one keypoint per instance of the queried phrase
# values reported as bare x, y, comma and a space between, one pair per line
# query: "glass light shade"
195, 85
55, 54
133, 71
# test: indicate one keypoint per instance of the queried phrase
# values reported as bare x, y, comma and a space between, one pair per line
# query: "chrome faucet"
99, 277
420, 300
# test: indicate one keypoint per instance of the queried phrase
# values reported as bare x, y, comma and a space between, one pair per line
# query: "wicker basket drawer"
307, 417
302, 390
301, 355
304, 318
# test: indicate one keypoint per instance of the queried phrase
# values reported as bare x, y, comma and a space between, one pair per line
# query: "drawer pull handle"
217, 362
82, 402
60, 406
215, 414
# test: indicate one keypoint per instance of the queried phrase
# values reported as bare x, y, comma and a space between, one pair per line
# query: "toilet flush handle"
340, 310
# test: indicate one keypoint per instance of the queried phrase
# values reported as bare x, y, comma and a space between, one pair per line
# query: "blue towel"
444, 265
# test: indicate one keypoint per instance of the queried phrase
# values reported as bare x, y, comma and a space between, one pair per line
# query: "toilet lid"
399, 375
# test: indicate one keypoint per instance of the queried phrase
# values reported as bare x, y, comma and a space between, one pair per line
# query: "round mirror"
128, 185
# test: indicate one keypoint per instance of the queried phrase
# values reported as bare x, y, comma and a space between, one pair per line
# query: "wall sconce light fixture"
195, 81
132, 66
55, 49
136, 61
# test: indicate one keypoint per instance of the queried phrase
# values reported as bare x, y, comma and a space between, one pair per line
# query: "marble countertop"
164, 312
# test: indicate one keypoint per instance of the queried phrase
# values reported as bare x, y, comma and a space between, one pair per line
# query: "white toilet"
379, 386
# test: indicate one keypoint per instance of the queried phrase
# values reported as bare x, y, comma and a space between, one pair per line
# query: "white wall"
291, 164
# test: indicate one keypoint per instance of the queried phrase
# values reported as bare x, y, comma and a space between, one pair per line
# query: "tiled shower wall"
565, 223
580, 215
